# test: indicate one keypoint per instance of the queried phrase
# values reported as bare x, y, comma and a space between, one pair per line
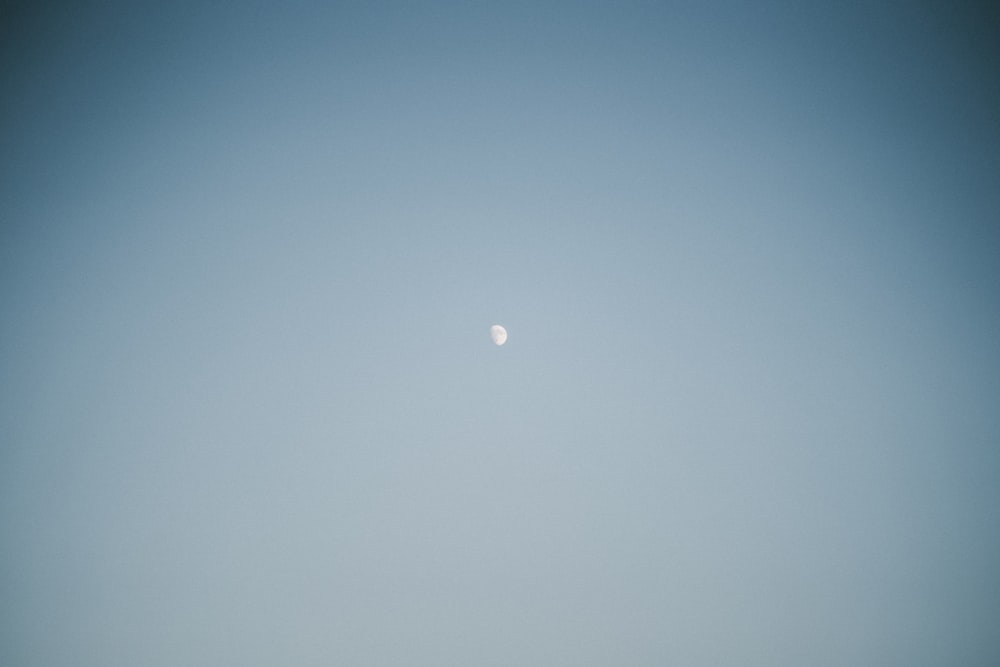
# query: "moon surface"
498, 334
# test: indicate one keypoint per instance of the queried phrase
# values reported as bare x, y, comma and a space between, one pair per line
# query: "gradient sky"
747, 255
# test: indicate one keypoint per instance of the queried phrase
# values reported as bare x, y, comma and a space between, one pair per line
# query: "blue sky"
747, 258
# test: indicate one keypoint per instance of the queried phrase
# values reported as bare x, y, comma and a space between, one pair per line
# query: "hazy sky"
747, 255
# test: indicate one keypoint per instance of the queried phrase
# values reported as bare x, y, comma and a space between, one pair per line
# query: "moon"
498, 334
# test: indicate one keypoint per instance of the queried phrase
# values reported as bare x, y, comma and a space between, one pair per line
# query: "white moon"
498, 334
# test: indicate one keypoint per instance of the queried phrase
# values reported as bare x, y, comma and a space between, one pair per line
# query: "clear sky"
747, 255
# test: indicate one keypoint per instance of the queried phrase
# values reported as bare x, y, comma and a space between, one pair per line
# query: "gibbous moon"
498, 334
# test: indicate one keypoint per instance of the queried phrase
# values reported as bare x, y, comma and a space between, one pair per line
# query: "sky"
747, 255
